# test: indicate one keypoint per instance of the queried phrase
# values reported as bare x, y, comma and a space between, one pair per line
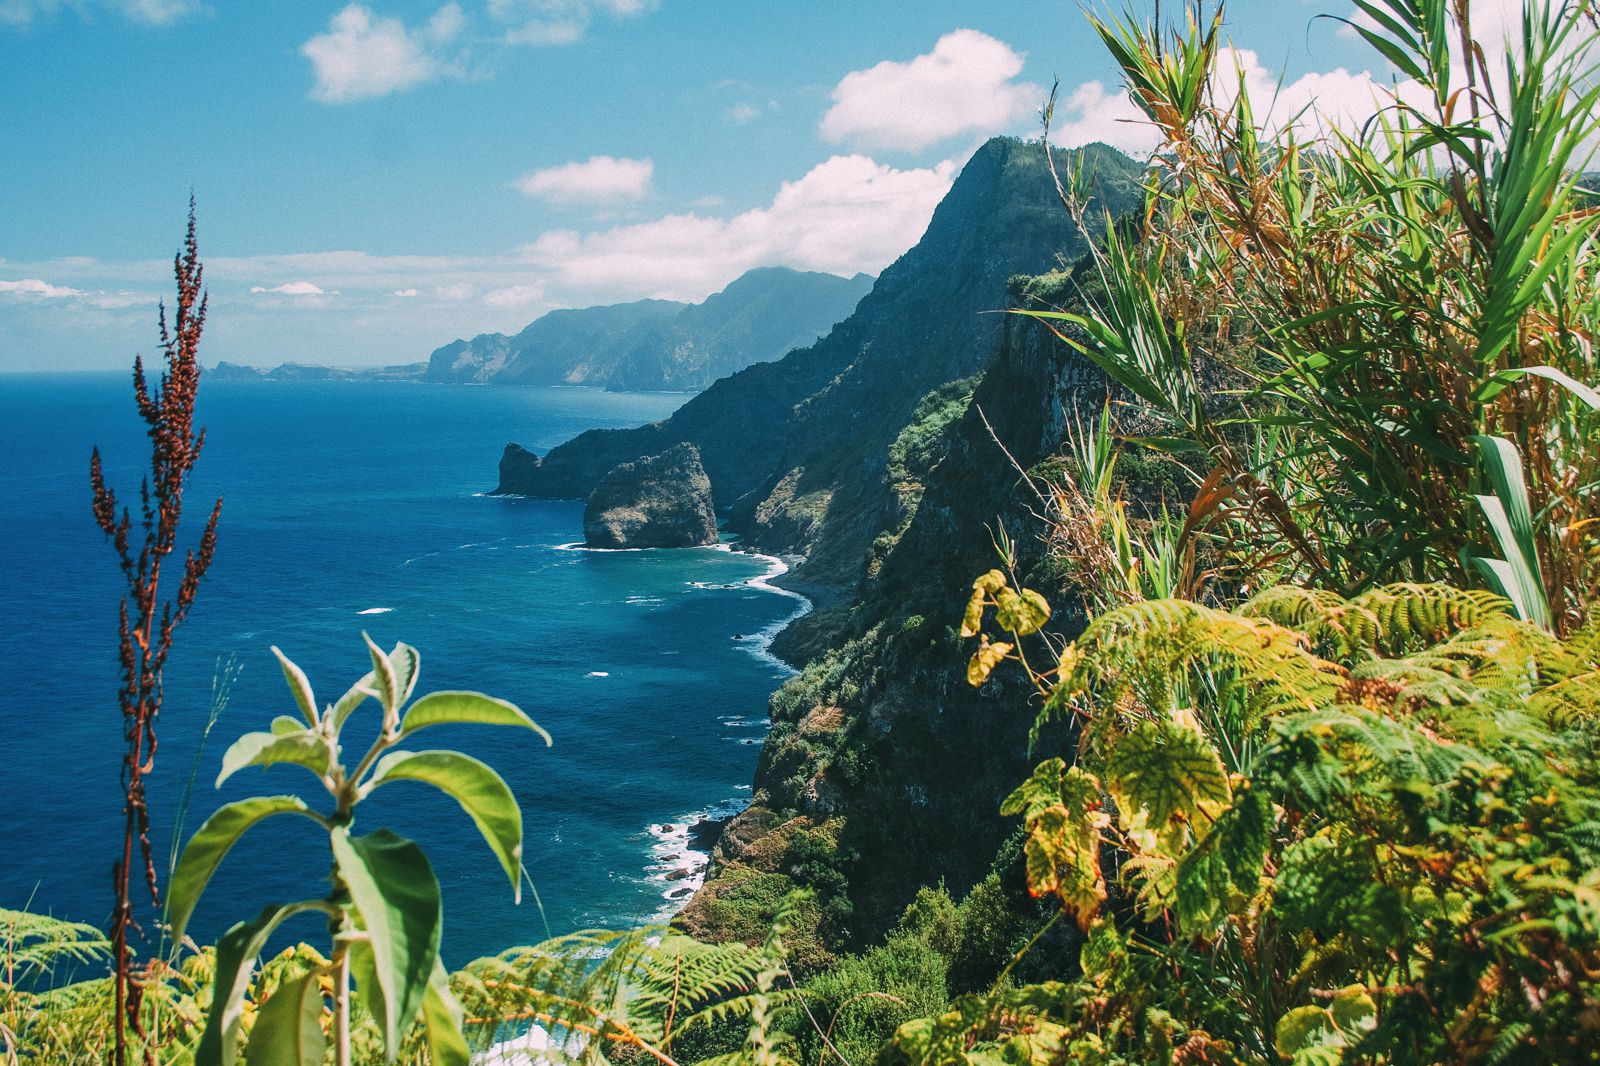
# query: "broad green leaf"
394, 890
1022, 612
1062, 858
465, 708
482, 793
288, 1028
211, 843
442, 1014
1303, 1029
236, 957
383, 680
1041, 789
364, 970
284, 724
1168, 769
984, 660
304, 748
299, 685
1227, 859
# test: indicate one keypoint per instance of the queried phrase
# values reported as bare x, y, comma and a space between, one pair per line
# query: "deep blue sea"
351, 507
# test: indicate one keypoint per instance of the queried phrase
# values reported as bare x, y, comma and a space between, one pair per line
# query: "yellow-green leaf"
984, 660
465, 708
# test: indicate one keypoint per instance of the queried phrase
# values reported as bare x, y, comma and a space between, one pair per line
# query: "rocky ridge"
662, 501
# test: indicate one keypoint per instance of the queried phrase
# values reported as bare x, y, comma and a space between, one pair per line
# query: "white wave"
376, 610
759, 644
677, 867
598, 673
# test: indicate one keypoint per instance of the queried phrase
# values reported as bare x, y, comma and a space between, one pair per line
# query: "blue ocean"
352, 507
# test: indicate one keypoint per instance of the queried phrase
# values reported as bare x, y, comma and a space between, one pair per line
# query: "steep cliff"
662, 501
880, 744
798, 446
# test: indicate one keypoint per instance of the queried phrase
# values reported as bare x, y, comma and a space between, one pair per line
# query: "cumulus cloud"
557, 22
1090, 113
600, 179
964, 86
363, 55
293, 288
847, 214
34, 288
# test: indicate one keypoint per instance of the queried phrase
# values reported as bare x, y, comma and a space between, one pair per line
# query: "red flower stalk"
146, 623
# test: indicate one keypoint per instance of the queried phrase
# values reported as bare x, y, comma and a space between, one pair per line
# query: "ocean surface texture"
359, 506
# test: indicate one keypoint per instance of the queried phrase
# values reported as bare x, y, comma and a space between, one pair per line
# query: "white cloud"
514, 296
741, 114
602, 178
363, 55
847, 214
293, 288
33, 288
557, 22
964, 86
1089, 113
404, 292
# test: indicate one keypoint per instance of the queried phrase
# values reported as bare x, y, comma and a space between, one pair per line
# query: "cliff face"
798, 446
881, 743
659, 344
663, 501
517, 467
870, 454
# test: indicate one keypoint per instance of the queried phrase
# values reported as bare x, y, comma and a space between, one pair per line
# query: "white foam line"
760, 642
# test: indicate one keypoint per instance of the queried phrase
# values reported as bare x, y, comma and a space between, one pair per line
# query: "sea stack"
661, 501
517, 467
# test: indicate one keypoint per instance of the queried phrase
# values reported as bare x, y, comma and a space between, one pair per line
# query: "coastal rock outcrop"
662, 501
517, 469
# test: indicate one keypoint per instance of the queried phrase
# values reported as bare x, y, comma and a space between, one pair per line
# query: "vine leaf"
1167, 769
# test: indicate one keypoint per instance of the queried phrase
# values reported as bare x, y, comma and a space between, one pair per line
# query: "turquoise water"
358, 506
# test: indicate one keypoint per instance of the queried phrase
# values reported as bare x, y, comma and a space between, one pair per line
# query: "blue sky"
375, 179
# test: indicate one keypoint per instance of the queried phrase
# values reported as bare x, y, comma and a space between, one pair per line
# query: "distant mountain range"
226, 371
644, 346
660, 344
